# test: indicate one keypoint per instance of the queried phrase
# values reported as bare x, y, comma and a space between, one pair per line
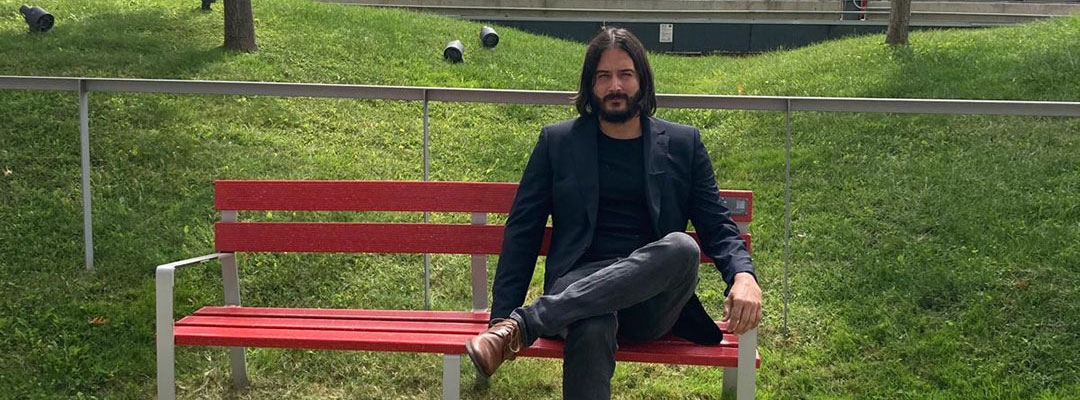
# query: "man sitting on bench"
620, 187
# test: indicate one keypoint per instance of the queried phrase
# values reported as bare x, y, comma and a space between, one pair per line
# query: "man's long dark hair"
618, 38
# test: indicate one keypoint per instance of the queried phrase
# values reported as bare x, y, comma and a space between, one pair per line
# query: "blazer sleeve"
523, 233
718, 233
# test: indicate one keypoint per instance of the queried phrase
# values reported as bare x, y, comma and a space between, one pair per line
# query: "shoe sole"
469, 352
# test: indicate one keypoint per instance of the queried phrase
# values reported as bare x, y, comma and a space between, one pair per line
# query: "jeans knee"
684, 249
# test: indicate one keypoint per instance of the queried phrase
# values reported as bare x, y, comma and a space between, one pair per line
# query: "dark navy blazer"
561, 180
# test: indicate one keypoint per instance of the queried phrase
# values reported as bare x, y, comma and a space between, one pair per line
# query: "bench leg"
451, 377
238, 367
166, 345
730, 375
747, 365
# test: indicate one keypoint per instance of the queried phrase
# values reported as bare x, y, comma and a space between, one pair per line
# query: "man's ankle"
527, 337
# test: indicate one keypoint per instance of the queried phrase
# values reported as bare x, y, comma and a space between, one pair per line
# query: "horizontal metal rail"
656, 14
412, 93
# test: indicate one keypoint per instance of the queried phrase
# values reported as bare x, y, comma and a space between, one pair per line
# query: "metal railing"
428, 94
973, 13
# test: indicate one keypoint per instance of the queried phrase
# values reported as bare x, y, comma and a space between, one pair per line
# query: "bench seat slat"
319, 339
470, 328
372, 325
672, 353
394, 315
402, 330
684, 353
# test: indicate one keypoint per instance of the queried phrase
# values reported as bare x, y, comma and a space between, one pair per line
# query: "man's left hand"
742, 309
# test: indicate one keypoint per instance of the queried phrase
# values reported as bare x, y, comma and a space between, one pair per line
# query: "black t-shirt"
622, 220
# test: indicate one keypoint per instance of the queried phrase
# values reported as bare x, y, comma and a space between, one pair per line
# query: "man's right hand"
742, 309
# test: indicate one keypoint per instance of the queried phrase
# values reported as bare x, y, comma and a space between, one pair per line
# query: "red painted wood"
318, 339
466, 322
745, 194
403, 331
686, 354
312, 195
458, 328
358, 237
386, 330
362, 237
492, 197
390, 315
680, 354
372, 325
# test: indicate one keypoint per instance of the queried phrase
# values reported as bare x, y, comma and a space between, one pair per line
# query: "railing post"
84, 142
787, 207
427, 215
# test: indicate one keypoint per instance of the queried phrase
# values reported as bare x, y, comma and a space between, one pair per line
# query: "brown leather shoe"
498, 343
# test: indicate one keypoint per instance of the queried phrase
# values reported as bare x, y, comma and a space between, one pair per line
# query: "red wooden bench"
440, 332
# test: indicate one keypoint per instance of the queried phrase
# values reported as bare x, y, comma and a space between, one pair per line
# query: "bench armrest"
166, 356
164, 276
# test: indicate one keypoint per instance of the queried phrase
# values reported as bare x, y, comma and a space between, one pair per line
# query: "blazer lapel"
656, 154
584, 137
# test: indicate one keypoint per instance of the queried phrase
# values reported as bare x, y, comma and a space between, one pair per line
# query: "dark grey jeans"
638, 297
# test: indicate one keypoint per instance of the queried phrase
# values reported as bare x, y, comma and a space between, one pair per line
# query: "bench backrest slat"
407, 196
487, 197
480, 197
338, 237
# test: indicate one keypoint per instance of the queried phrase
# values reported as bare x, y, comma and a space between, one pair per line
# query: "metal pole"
787, 209
84, 141
427, 215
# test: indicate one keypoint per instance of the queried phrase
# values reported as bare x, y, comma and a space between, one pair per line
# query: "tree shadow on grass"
144, 43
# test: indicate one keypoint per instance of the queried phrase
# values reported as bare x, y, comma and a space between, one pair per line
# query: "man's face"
615, 95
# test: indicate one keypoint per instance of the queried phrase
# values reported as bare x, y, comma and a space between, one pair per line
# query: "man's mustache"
614, 96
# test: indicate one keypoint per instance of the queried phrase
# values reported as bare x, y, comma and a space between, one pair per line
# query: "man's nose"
615, 86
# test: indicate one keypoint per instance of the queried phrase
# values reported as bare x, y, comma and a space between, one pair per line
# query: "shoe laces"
512, 332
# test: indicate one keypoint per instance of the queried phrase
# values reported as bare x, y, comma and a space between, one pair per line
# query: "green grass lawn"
932, 256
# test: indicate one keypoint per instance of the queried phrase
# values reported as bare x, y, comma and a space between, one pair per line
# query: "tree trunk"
899, 17
239, 26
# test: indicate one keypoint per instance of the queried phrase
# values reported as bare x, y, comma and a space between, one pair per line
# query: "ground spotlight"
38, 19
488, 37
454, 51
206, 4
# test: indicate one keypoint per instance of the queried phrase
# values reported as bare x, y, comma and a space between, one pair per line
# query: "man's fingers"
736, 317
727, 310
753, 317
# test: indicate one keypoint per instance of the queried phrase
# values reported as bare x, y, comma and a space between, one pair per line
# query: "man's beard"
632, 107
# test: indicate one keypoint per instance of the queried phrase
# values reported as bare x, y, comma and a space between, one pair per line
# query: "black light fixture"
454, 51
37, 18
488, 37
206, 4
